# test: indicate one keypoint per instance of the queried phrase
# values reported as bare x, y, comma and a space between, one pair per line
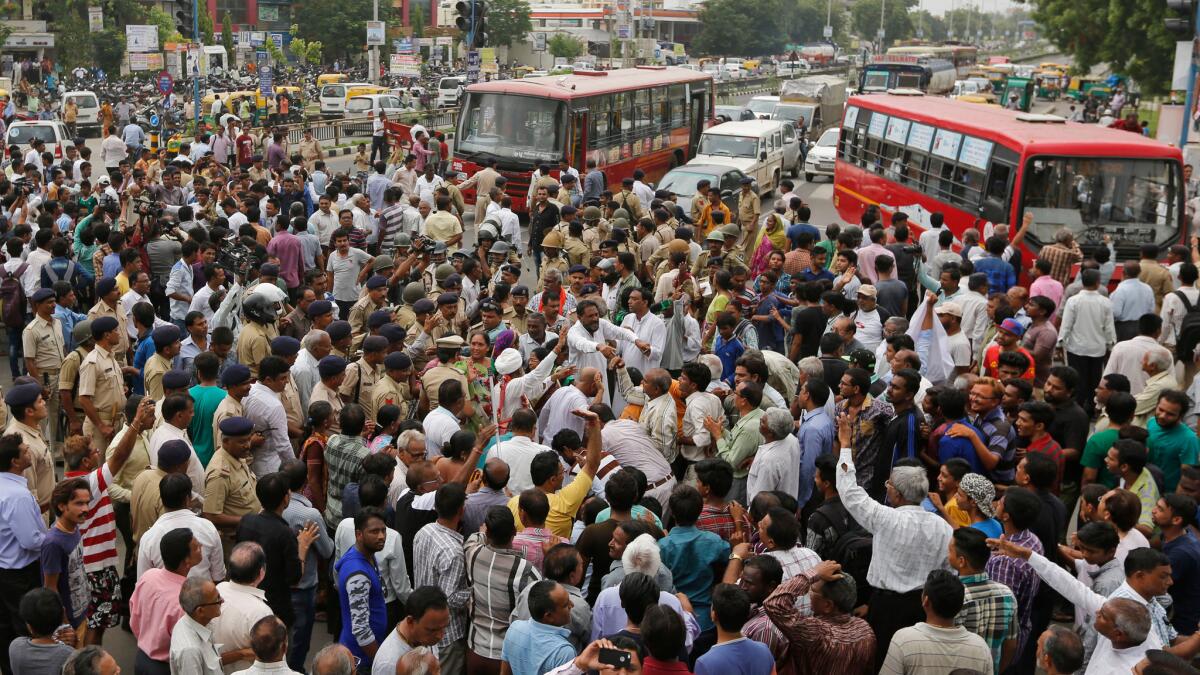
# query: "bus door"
699, 116
997, 196
577, 142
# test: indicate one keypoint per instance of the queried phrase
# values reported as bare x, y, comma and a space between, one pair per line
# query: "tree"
305, 51
928, 26
166, 25
206, 23
227, 34
507, 22
741, 27
805, 20
564, 45
416, 19
864, 19
340, 25
1128, 35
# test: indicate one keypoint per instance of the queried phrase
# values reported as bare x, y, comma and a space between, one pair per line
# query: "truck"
812, 103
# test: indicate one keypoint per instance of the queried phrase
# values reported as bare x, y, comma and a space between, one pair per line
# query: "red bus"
982, 165
648, 118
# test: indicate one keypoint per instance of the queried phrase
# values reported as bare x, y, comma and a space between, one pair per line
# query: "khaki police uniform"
120, 489
100, 377
292, 406
43, 342
749, 208
40, 473
229, 486
321, 392
228, 407
519, 323
577, 251
145, 505
68, 377
156, 367
433, 379
387, 391
356, 387
630, 203
254, 344
696, 210
359, 314
406, 317
100, 309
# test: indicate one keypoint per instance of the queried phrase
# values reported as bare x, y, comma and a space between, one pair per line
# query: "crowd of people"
255, 402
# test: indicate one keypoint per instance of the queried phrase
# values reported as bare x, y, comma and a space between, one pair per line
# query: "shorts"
106, 594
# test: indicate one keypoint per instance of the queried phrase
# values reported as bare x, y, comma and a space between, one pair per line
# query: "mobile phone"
617, 658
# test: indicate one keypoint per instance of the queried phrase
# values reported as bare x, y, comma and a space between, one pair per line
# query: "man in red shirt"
1033, 424
1008, 338
245, 149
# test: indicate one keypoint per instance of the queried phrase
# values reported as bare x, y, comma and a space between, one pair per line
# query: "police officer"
68, 376
340, 338
450, 318
286, 348
333, 372
228, 482
516, 313
394, 387
42, 341
109, 305
362, 374
166, 347
449, 351
27, 409
749, 211
101, 387
375, 299
254, 342
236, 380
320, 313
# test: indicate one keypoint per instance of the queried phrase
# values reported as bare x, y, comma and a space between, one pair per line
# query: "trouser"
124, 522
304, 605
481, 665
379, 144
1126, 330
16, 352
737, 493
890, 611
1090, 368
52, 424
99, 439
344, 307
144, 665
14, 583
453, 658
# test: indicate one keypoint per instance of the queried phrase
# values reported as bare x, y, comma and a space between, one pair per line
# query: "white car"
822, 156
450, 90
53, 132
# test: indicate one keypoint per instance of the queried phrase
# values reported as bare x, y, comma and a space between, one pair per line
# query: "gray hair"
714, 365
843, 593
899, 322
911, 482
551, 274
333, 659
312, 338
1131, 618
409, 436
191, 595
779, 422
86, 661
1064, 236
642, 555
1161, 360
811, 366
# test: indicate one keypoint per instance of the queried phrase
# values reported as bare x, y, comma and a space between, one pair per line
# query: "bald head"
334, 659
247, 563
495, 473
586, 381
656, 382
419, 476
908, 359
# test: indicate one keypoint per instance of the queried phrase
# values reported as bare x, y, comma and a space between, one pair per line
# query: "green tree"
864, 19
805, 20
276, 54
165, 23
416, 19
305, 51
928, 26
1128, 35
206, 24
507, 22
227, 34
340, 25
741, 28
564, 45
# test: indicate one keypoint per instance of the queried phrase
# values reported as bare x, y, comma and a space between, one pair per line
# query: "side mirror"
726, 194
763, 155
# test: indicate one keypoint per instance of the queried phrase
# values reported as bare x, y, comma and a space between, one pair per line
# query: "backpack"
12, 297
1189, 330
852, 551
55, 278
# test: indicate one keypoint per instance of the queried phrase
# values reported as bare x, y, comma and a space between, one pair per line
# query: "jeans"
379, 143
304, 604
144, 665
16, 352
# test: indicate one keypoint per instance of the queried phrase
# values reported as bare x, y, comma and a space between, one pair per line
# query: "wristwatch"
734, 556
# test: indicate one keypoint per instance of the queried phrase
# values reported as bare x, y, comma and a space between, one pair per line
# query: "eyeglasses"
975, 395
218, 602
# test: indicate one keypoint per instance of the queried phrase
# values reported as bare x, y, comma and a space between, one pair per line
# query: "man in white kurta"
650, 330
517, 389
588, 340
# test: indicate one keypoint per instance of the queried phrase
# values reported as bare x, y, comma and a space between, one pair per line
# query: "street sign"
266, 80
539, 42
376, 33
277, 38
828, 32
140, 38
95, 19
258, 38
403, 45
473, 61
165, 83
154, 119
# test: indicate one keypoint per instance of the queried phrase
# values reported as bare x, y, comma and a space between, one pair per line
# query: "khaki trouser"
50, 425
101, 442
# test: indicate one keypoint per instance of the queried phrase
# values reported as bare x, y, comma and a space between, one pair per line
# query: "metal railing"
342, 131
767, 84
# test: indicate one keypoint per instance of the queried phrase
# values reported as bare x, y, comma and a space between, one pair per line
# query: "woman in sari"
723, 288
771, 238
312, 453
478, 369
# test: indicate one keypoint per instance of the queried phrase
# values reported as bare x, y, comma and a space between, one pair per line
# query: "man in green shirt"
740, 443
1127, 459
207, 396
1171, 443
1119, 410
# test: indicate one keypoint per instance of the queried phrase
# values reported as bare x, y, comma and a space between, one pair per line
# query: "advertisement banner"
141, 39
144, 62
95, 19
405, 65
376, 33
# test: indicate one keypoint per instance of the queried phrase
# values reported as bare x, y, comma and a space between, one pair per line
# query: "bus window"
641, 109
996, 198
678, 98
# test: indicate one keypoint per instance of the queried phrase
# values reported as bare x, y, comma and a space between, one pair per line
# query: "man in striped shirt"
497, 574
84, 460
989, 607
438, 560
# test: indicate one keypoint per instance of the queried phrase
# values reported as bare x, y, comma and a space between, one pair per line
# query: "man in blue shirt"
22, 530
540, 643
1130, 300
815, 434
999, 272
734, 654
802, 225
690, 553
956, 442
360, 590
1173, 514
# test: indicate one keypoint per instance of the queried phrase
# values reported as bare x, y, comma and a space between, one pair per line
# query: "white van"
761, 149
53, 132
89, 110
449, 91
733, 68
333, 97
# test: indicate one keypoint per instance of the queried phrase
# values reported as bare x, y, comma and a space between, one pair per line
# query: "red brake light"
58, 150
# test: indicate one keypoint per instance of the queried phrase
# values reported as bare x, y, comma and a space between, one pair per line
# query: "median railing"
353, 129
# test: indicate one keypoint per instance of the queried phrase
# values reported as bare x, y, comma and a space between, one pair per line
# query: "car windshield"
728, 146
358, 104
683, 183
762, 107
1132, 200
85, 101
511, 127
828, 139
793, 113
450, 83
24, 135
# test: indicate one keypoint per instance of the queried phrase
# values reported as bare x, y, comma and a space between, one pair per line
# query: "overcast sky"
939, 6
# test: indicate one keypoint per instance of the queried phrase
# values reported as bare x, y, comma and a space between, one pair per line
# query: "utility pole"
1178, 26
829, 21
196, 63
882, 19
373, 60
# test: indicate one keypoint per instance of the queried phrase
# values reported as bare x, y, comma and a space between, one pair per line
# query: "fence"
766, 85
344, 131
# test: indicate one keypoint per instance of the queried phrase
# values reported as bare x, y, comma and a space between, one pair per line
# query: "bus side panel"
856, 188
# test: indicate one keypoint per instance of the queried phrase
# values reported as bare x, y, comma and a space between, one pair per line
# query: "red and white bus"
647, 118
981, 165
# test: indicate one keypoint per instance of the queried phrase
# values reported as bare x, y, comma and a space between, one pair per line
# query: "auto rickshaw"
330, 78
1024, 90
978, 99
1049, 82
1081, 88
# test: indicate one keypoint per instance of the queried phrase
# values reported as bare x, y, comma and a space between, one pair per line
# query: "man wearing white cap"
950, 316
517, 389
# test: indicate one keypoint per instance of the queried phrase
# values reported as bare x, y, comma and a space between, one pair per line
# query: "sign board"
473, 62
145, 62
678, 49
258, 38
827, 32
141, 39
95, 19
487, 54
424, 42
624, 31
165, 83
402, 46
376, 33
26, 41
1183, 65
539, 42
444, 41
243, 41
277, 38
405, 65
268, 13
266, 80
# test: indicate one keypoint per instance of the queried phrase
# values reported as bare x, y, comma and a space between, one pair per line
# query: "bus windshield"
876, 80
511, 127
1133, 200
728, 146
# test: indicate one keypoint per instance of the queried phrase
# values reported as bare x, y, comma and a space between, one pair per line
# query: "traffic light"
1181, 18
479, 35
183, 19
463, 20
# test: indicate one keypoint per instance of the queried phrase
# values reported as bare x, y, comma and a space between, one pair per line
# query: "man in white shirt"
244, 603
777, 463
650, 331
264, 407
517, 389
1088, 331
1126, 357
658, 416
589, 341
427, 184
213, 283
519, 452
269, 643
643, 191
443, 421
974, 307
557, 414
176, 492
950, 316
324, 220
177, 412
